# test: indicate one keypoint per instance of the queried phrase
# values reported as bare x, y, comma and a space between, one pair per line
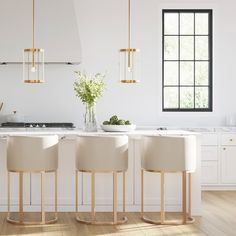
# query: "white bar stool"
102, 154
169, 154
32, 154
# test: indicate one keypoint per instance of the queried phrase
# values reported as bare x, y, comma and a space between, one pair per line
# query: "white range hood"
56, 30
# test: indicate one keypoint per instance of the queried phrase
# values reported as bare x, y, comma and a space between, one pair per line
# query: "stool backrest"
169, 153
32, 153
102, 153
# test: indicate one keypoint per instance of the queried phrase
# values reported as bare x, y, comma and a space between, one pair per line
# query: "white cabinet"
228, 164
210, 158
218, 161
209, 172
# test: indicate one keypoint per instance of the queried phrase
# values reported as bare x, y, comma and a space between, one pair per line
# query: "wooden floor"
219, 218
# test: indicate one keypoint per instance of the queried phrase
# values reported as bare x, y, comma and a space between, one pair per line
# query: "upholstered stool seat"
169, 154
102, 154
32, 154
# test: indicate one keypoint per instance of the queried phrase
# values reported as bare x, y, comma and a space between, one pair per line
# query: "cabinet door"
14, 181
209, 172
66, 179
228, 164
209, 153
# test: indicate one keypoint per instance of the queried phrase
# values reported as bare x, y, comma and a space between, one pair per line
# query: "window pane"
201, 97
171, 97
186, 73
187, 23
201, 23
186, 48
201, 73
171, 23
171, 73
171, 48
186, 98
201, 47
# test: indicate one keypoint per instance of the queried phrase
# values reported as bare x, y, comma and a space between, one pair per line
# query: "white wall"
103, 30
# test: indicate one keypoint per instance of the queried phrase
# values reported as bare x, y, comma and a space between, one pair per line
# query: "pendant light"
33, 60
129, 59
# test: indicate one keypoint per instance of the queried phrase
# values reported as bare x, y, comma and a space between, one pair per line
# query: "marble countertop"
75, 132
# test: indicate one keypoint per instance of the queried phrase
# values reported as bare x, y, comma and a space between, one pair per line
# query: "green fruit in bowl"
121, 122
127, 122
114, 120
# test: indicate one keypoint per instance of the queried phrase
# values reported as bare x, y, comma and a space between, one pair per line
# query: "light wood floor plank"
218, 219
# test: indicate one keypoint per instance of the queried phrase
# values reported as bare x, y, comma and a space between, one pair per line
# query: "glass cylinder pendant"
129, 65
33, 65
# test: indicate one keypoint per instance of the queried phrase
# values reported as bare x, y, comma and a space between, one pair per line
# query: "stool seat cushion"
169, 153
32, 153
102, 153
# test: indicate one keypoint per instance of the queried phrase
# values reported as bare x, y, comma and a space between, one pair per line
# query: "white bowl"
118, 128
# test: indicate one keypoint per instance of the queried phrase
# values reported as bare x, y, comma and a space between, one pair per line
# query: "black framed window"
187, 60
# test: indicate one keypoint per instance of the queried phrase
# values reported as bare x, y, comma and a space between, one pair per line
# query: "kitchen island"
66, 177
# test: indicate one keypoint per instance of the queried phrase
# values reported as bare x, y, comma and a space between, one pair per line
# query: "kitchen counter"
66, 188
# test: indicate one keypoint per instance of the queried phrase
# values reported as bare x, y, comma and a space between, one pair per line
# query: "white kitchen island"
66, 177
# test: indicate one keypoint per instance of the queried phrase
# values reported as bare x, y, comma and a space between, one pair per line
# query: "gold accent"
186, 216
33, 50
162, 197
35, 55
129, 50
184, 197
131, 81
124, 188
21, 205
93, 220
35, 81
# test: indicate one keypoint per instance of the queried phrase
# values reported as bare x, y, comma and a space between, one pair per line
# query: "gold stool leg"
124, 188
184, 197
142, 192
76, 191
21, 216
56, 194
93, 196
162, 197
42, 197
114, 197
9, 194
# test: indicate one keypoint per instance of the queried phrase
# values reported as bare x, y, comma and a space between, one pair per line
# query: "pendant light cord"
129, 32
33, 30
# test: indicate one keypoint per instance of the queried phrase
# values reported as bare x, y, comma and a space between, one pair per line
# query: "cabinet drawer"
209, 153
209, 172
209, 139
228, 139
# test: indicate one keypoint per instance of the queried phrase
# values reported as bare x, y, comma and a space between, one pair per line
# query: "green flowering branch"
89, 87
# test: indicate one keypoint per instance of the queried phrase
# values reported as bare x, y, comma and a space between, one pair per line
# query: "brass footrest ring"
190, 220
94, 222
18, 222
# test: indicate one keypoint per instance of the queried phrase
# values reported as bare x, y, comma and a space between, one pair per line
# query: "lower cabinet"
218, 161
209, 172
228, 164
